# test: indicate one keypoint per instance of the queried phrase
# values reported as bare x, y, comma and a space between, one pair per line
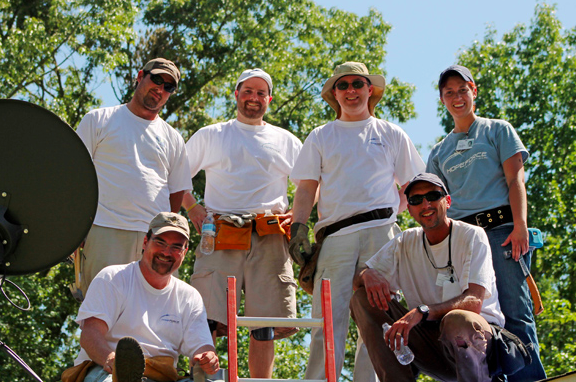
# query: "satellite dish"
48, 189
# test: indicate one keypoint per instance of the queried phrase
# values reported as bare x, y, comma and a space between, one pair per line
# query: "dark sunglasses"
431, 196
158, 80
356, 84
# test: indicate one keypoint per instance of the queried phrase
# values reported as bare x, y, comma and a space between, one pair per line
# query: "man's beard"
251, 113
162, 268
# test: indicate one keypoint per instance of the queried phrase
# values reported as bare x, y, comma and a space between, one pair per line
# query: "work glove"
299, 238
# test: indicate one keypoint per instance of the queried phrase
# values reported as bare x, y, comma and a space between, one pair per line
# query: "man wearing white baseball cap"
247, 163
357, 162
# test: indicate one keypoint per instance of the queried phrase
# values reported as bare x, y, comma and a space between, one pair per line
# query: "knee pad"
212, 325
263, 334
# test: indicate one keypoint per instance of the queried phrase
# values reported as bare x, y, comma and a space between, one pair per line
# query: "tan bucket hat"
352, 68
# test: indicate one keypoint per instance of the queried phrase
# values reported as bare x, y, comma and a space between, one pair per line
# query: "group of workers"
361, 171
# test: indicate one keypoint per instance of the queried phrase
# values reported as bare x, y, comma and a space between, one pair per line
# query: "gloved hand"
299, 238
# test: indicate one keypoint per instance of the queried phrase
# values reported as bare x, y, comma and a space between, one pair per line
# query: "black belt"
490, 218
382, 213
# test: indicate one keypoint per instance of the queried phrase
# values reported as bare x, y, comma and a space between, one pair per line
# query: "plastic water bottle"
208, 235
404, 354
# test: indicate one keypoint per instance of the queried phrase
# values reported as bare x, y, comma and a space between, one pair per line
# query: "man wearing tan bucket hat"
357, 162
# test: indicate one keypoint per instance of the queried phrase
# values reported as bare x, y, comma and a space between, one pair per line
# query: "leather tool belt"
382, 213
231, 236
490, 218
307, 272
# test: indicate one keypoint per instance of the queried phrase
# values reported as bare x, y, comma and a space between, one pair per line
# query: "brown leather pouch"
77, 373
268, 225
228, 236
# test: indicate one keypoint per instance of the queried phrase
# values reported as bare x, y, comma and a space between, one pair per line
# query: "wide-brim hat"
351, 68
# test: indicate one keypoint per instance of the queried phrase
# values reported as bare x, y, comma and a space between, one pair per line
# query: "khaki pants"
108, 246
339, 259
456, 349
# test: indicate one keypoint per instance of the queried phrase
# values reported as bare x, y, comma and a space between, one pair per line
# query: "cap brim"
160, 71
378, 82
161, 230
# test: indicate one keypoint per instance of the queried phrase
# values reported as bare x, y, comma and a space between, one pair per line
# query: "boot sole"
129, 361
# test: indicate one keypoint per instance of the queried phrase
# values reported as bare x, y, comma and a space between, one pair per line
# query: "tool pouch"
268, 225
509, 354
228, 236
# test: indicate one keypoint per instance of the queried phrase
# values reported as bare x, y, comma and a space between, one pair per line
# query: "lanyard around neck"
449, 265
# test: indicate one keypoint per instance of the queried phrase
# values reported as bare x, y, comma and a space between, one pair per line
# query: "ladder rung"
283, 380
279, 322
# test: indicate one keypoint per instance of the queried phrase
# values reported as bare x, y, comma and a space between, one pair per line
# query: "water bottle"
208, 235
404, 354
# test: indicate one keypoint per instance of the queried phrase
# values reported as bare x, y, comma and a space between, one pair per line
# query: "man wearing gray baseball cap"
357, 163
247, 163
142, 169
139, 314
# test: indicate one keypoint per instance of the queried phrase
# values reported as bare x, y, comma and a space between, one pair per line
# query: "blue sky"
427, 35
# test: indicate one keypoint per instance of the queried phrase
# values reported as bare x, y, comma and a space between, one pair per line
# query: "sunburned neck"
437, 234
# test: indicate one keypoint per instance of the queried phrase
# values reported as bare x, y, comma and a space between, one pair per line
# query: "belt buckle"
478, 223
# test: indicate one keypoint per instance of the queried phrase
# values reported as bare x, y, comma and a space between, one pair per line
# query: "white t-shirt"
358, 165
166, 322
139, 163
247, 166
404, 263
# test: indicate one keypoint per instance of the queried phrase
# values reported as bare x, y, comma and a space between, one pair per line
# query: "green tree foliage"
528, 79
297, 42
51, 51
54, 52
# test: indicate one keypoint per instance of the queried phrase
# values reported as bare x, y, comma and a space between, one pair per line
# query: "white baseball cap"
251, 73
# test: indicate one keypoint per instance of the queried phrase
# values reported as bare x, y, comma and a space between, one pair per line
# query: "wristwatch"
424, 310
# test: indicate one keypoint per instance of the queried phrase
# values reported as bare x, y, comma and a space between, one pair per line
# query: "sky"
426, 36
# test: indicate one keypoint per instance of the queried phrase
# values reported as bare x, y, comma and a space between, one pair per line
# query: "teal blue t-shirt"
474, 174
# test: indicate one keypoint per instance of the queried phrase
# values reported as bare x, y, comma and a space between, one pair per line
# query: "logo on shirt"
171, 318
160, 142
376, 141
468, 162
271, 146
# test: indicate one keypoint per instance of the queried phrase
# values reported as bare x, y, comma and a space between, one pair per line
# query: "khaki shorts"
108, 246
264, 273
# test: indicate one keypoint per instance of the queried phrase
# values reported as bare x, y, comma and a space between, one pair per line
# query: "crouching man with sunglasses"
142, 168
444, 268
356, 164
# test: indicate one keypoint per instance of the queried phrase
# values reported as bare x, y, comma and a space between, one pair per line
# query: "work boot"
129, 362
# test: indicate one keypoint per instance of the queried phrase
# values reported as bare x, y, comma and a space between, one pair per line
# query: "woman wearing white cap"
482, 163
